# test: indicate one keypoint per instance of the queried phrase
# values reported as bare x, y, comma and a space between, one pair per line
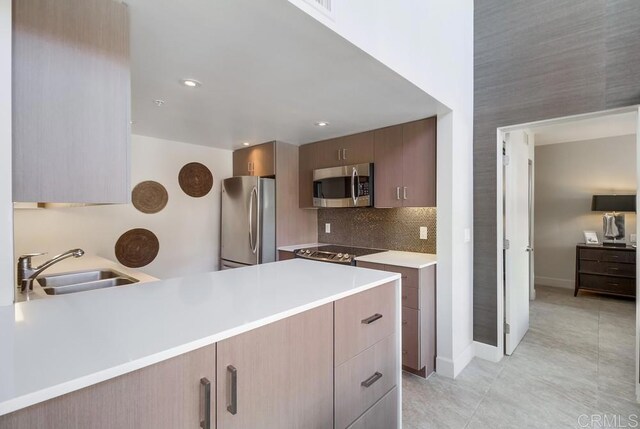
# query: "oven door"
346, 186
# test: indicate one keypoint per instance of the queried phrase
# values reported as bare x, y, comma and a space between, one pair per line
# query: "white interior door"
516, 232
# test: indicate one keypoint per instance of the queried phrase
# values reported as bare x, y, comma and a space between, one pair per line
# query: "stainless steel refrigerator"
248, 235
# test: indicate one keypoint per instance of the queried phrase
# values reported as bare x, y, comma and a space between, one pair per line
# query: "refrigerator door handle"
254, 245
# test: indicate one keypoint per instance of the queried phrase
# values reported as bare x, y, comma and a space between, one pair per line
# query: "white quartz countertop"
294, 247
400, 259
49, 347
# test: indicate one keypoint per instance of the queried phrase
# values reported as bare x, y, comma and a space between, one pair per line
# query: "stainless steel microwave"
346, 186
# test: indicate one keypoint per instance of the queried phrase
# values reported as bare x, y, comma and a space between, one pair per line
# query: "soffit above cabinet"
268, 71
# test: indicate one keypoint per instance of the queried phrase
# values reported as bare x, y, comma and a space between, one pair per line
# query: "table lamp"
613, 218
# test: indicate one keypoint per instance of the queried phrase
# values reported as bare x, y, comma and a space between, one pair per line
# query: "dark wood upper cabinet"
71, 101
388, 166
419, 163
256, 160
404, 158
307, 163
405, 165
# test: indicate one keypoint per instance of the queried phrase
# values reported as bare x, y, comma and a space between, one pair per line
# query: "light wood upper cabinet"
405, 165
256, 160
388, 157
71, 101
279, 376
167, 395
419, 163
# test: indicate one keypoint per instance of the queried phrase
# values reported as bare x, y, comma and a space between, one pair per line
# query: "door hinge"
505, 159
506, 244
507, 328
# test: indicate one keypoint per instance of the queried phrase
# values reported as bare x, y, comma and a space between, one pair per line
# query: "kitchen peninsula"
268, 343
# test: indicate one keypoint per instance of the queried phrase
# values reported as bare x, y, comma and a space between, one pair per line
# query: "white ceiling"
268, 71
620, 124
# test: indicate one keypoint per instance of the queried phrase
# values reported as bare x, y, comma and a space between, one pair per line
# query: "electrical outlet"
633, 238
327, 228
467, 235
424, 233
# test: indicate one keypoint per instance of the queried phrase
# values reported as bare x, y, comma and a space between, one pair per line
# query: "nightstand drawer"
616, 285
613, 268
618, 256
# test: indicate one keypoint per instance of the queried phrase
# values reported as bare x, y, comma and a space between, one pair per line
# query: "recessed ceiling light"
191, 83
321, 124
246, 143
158, 102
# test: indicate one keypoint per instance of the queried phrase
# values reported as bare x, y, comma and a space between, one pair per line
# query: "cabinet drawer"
608, 268
618, 256
362, 320
410, 276
383, 415
410, 297
591, 254
283, 255
411, 338
617, 285
363, 380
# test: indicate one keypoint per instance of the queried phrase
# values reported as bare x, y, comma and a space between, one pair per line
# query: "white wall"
430, 43
188, 228
567, 175
6, 208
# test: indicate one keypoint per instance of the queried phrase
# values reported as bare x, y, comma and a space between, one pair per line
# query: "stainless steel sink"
58, 284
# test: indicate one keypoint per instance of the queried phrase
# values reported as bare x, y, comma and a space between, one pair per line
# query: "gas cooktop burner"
337, 254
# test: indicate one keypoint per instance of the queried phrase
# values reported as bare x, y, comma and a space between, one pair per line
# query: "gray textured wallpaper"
534, 60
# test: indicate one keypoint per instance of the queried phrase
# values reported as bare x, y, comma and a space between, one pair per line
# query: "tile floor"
577, 359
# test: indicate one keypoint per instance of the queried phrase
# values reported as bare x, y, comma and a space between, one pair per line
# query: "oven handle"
354, 197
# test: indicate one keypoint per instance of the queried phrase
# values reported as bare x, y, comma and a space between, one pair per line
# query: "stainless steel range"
336, 254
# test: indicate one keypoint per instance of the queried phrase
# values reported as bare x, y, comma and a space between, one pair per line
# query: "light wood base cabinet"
279, 376
383, 415
167, 395
418, 316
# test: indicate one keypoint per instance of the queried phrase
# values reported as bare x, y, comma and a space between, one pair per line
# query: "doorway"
520, 227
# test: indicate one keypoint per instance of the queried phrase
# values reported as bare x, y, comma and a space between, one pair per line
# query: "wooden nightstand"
606, 269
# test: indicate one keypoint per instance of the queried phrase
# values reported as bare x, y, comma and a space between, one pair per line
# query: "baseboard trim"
446, 367
555, 282
488, 352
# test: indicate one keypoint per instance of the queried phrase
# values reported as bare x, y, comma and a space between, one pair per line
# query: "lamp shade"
613, 203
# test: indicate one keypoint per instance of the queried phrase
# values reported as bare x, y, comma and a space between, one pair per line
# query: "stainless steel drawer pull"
369, 381
614, 268
397, 192
404, 193
371, 319
233, 381
205, 397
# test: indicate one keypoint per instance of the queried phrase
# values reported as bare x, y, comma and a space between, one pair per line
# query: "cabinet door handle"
369, 320
233, 390
404, 193
369, 381
404, 322
339, 155
205, 397
614, 268
344, 154
613, 284
405, 296
397, 192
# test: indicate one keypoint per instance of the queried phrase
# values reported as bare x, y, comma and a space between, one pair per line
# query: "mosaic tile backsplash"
391, 229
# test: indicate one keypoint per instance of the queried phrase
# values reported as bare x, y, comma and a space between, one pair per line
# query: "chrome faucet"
27, 273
